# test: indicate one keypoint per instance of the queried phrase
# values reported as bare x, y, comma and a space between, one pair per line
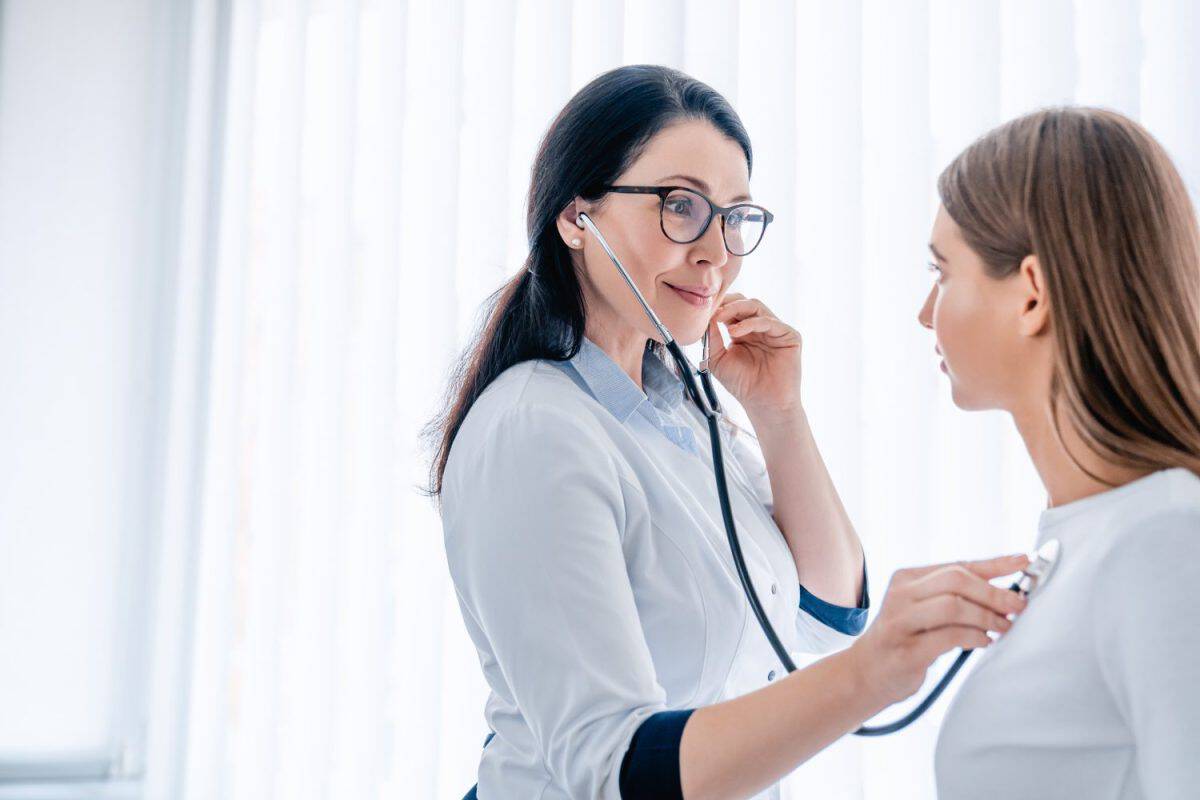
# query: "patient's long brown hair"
1098, 201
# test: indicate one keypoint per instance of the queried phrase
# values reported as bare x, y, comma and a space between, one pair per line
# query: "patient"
1067, 262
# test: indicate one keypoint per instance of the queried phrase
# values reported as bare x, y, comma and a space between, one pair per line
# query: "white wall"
82, 335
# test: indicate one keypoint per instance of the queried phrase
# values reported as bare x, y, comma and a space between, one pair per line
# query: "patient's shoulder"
1161, 521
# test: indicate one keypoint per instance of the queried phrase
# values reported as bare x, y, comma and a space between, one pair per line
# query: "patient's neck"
1064, 479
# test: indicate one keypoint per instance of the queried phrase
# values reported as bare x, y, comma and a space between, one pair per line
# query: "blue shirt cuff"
651, 765
850, 621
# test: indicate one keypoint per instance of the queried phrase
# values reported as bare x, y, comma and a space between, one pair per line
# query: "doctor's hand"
928, 611
761, 366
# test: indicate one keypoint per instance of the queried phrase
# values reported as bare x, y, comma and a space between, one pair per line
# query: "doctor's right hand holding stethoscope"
761, 368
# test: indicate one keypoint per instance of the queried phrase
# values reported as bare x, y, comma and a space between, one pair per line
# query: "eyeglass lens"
685, 212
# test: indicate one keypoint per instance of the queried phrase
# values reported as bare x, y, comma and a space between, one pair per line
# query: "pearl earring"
575, 243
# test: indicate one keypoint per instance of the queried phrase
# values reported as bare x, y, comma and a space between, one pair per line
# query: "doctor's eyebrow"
935, 252
702, 186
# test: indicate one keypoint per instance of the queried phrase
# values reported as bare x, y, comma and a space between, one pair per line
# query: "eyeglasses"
684, 215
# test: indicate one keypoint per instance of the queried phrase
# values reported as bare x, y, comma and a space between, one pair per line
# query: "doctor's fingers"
933, 643
734, 310
952, 610
957, 581
778, 331
987, 568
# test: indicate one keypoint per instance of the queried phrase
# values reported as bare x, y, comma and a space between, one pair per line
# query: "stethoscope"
705, 399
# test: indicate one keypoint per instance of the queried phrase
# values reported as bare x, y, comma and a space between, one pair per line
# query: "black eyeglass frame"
713, 210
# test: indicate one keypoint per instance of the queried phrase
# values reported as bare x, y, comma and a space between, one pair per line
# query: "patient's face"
715, 165
975, 320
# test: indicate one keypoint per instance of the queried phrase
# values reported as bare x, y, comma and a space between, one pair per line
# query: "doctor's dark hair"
539, 313
1098, 201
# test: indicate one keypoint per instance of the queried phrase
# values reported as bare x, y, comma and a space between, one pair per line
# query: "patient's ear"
1034, 318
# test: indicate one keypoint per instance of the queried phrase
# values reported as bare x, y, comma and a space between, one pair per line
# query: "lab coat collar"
614, 389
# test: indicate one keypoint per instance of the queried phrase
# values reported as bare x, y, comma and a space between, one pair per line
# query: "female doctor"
581, 520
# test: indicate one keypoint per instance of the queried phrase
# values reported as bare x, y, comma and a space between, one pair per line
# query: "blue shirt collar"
614, 389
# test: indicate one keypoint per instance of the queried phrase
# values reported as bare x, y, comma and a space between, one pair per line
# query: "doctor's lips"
696, 295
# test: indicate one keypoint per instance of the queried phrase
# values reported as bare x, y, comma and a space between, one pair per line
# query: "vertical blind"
361, 169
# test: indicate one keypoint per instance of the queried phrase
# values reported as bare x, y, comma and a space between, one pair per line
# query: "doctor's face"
683, 283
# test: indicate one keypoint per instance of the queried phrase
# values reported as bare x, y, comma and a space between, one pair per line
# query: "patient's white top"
1095, 692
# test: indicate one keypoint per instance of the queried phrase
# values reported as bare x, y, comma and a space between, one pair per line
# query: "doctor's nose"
710, 248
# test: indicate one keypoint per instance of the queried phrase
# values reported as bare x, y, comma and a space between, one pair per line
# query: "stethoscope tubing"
705, 397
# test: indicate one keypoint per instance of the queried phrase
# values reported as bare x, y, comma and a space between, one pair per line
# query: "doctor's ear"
570, 228
1034, 317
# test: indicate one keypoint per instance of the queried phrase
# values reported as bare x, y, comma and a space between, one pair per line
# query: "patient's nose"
925, 315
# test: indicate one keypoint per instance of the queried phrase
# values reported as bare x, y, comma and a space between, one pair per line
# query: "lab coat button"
774, 588
771, 675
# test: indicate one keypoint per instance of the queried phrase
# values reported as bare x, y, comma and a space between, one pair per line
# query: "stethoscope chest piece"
704, 395
1041, 565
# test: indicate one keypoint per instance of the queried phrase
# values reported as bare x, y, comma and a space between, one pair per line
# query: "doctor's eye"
934, 268
677, 204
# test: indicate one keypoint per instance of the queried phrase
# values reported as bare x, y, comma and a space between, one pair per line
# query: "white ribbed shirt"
1093, 693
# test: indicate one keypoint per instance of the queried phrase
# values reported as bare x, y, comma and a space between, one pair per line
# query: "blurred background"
241, 243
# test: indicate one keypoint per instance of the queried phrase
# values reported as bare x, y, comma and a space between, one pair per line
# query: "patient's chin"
966, 399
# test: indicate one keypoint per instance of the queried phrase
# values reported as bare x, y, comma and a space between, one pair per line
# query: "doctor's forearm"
739, 747
809, 511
